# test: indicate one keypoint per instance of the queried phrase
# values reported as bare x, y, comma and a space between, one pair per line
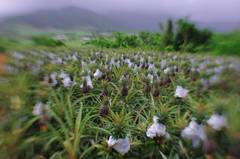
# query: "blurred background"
75, 22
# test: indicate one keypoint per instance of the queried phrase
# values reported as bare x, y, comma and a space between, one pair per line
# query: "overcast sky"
199, 10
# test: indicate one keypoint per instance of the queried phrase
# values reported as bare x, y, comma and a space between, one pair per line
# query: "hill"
82, 19
67, 18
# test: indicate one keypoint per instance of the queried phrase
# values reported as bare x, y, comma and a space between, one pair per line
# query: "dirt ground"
3, 61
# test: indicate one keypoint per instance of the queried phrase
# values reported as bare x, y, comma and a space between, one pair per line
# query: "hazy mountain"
138, 21
76, 18
150, 22
68, 18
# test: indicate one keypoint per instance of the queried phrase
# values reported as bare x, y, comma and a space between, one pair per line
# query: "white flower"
122, 146
217, 122
67, 82
218, 61
135, 68
18, 55
193, 69
130, 64
37, 110
53, 77
117, 64
181, 92
112, 62
40, 62
167, 70
40, 108
122, 78
163, 64
194, 132
193, 61
219, 69
10, 69
51, 55
151, 67
84, 66
150, 77
214, 79
93, 62
210, 71
157, 129
59, 60
97, 74
149, 58
74, 57
63, 74
89, 81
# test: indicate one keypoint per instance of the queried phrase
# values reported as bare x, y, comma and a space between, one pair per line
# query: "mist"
224, 13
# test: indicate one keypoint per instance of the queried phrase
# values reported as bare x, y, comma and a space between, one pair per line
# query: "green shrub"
47, 41
123, 40
169, 48
2, 49
3, 45
102, 42
188, 36
7, 44
120, 40
226, 43
131, 41
152, 40
168, 34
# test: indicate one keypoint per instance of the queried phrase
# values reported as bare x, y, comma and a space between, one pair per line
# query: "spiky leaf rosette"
119, 124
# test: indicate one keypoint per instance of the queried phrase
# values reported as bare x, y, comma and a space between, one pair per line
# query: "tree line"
182, 35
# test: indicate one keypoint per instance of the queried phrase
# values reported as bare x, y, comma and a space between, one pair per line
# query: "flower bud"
209, 147
124, 91
104, 110
156, 92
147, 88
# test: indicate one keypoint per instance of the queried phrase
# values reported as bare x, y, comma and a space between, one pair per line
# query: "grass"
226, 43
222, 44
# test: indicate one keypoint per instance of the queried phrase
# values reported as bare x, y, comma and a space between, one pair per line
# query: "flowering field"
102, 104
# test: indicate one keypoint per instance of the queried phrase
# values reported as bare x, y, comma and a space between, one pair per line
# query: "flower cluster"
85, 90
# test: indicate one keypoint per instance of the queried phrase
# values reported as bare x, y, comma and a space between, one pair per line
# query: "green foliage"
152, 40
126, 40
2, 46
102, 42
5, 43
169, 48
120, 40
46, 41
145, 37
168, 36
226, 43
188, 37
